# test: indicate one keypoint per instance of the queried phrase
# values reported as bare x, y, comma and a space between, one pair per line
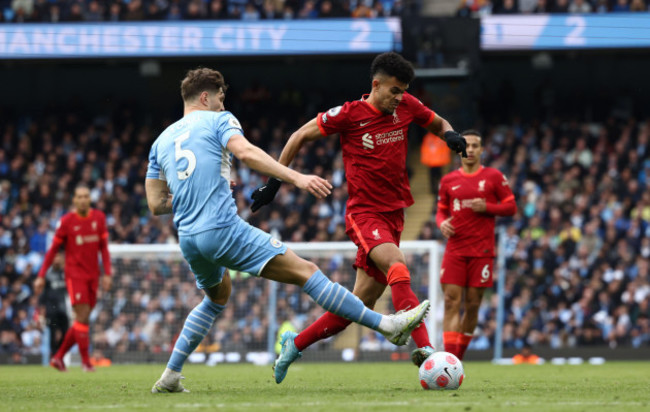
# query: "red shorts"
82, 290
368, 230
475, 272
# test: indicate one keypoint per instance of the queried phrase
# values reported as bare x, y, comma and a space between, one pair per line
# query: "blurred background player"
192, 160
374, 143
469, 199
83, 234
53, 300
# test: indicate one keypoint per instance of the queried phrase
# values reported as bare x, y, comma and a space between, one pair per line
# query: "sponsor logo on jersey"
481, 185
81, 240
94, 226
275, 243
376, 234
390, 137
456, 207
367, 141
455, 187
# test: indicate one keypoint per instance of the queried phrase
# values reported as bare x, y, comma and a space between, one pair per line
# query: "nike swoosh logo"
447, 372
363, 124
455, 187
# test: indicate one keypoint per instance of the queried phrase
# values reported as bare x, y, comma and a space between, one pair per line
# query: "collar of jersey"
90, 212
462, 172
373, 108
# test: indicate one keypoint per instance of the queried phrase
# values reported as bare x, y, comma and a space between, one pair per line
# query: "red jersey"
374, 148
474, 232
83, 238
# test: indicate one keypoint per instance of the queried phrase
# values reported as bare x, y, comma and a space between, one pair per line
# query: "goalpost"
154, 290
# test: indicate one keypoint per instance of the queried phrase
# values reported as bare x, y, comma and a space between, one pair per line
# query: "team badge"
275, 243
376, 234
94, 225
395, 117
481, 186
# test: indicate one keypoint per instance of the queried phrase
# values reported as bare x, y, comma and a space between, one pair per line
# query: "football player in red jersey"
373, 134
83, 234
469, 200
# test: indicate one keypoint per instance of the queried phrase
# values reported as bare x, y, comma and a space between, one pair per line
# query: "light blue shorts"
240, 247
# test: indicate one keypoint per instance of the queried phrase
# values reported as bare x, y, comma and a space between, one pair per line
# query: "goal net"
154, 290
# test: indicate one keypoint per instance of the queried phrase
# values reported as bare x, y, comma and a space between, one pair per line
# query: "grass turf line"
619, 386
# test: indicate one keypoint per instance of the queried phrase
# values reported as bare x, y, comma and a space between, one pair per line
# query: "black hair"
392, 64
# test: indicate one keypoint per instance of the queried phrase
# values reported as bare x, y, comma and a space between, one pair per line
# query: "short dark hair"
201, 80
392, 64
472, 132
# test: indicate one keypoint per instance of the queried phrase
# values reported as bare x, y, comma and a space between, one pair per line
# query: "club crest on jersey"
367, 142
376, 234
481, 186
395, 117
94, 226
456, 205
275, 243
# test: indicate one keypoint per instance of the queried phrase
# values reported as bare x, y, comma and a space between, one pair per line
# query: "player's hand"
39, 285
456, 142
315, 185
107, 282
447, 228
265, 194
478, 205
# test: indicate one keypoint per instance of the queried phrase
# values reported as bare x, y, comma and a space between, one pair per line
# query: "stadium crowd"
577, 251
55, 11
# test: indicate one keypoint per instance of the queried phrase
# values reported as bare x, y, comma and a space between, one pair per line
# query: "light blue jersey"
191, 156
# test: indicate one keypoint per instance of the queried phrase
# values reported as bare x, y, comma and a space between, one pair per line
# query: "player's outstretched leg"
336, 299
288, 354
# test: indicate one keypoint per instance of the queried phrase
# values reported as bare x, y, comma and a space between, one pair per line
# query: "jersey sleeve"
61, 232
502, 187
153, 169
227, 126
422, 115
443, 196
334, 120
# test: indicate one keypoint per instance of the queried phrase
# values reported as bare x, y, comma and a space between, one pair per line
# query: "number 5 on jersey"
184, 154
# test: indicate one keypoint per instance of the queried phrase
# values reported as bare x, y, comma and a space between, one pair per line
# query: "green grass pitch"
311, 387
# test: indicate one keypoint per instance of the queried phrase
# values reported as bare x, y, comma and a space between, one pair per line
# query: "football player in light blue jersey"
189, 175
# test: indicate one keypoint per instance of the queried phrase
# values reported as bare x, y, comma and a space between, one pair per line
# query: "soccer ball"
442, 370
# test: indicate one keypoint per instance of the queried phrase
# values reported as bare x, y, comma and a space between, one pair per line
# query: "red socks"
66, 344
78, 334
327, 325
456, 343
463, 343
81, 336
399, 280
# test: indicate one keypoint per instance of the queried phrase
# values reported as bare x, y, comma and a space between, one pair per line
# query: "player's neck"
85, 214
373, 102
471, 169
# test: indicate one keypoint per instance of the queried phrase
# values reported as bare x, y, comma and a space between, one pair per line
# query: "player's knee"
472, 306
452, 301
398, 273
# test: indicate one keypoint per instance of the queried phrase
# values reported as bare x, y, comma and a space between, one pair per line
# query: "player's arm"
307, 133
443, 216
442, 128
39, 282
506, 206
159, 198
257, 159
106, 259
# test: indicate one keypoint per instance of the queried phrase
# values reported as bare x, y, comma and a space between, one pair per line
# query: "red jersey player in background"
469, 200
373, 134
83, 234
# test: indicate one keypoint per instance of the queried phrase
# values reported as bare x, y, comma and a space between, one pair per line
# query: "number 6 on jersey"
184, 154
